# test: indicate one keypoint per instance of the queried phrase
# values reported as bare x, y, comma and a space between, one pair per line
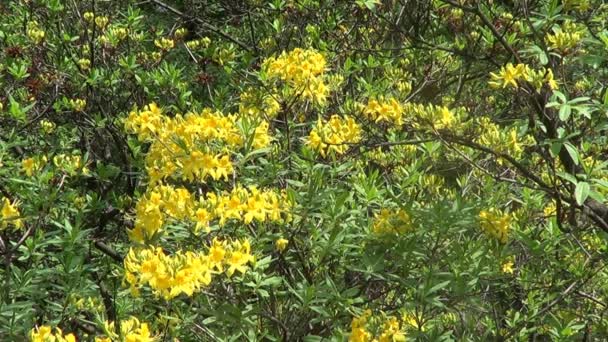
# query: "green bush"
303, 170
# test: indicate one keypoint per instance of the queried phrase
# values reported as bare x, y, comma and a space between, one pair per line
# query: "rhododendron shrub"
303, 170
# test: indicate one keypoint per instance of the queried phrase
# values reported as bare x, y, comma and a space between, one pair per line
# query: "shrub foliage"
370, 170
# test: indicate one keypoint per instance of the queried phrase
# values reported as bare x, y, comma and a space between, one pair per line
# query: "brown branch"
107, 250
203, 24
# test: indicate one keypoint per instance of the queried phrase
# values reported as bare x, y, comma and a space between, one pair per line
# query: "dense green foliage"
303, 170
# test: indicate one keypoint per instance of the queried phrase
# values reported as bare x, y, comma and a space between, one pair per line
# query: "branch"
107, 250
203, 24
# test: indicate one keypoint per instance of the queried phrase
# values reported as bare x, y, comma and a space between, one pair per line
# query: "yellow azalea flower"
202, 220
507, 267
78, 105
564, 38
281, 244
239, 258
164, 43
392, 222
47, 126
302, 71
131, 330
334, 135
509, 75
384, 111
28, 165
495, 224
390, 330
84, 63
217, 252
10, 214
45, 334
184, 272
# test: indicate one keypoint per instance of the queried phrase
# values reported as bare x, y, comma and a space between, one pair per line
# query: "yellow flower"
509, 75
507, 267
164, 43
10, 214
35, 33
358, 332
392, 222
202, 220
47, 126
564, 38
385, 110
29, 166
184, 272
281, 244
303, 73
334, 135
45, 334
78, 105
239, 258
131, 330
84, 63
495, 224
88, 16
101, 21
217, 252
261, 137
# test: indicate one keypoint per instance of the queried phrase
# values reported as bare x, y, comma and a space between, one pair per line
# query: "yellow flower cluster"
70, 164
255, 105
93, 304
392, 222
247, 204
101, 21
578, 5
34, 32
389, 110
281, 244
495, 224
78, 105
47, 126
32, 165
434, 184
45, 334
10, 214
241, 204
146, 123
199, 43
302, 71
131, 330
152, 208
180, 33
438, 117
391, 155
334, 135
390, 329
507, 267
550, 209
184, 272
84, 63
164, 44
505, 141
261, 137
513, 76
119, 33
192, 147
564, 38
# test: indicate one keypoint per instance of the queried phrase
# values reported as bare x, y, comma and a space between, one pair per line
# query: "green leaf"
564, 112
572, 152
581, 192
437, 287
